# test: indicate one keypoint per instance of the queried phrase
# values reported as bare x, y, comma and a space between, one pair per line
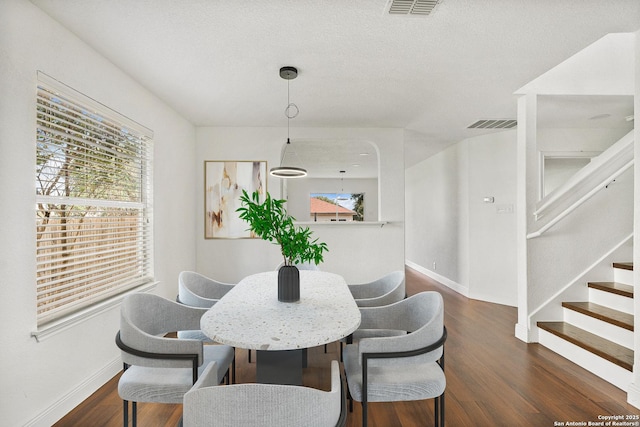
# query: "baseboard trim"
73, 398
441, 279
633, 395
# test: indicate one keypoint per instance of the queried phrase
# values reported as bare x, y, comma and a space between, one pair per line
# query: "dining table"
250, 316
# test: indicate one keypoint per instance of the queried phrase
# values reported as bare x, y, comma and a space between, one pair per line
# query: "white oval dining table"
250, 316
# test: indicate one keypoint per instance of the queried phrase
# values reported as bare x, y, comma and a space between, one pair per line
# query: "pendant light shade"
288, 172
282, 171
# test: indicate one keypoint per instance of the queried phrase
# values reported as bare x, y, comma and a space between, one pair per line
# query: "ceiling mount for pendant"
288, 73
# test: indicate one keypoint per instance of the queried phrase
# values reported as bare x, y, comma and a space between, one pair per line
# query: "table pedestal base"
281, 366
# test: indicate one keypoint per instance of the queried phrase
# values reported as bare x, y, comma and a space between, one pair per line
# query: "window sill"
344, 223
53, 328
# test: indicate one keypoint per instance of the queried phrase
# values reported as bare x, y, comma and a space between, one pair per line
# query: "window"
341, 207
93, 202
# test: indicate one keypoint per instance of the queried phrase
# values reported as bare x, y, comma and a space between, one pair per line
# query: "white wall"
492, 238
432, 220
572, 140
472, 243
579, 240
606, 67
357, 252
42, 381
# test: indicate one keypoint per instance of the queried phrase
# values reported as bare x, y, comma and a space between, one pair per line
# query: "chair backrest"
263, 404
422, 316
386, 290
146, 318
197, 290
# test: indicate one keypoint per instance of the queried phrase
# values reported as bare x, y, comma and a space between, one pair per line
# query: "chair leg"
249, 351
442, 410
439, 411
134, 414
233, 368
125, 413
364, 412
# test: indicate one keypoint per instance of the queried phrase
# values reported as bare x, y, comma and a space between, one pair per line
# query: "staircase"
598, 334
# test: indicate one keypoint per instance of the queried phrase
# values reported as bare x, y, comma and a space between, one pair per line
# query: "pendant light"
288, 73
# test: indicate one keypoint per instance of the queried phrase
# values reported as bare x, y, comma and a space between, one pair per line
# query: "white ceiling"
216, 61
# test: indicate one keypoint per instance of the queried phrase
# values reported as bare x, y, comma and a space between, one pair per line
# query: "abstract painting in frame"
223, 185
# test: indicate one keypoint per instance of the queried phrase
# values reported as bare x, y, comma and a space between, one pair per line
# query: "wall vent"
494, 124
411, 7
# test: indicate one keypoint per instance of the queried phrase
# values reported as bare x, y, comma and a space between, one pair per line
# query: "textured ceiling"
217, 62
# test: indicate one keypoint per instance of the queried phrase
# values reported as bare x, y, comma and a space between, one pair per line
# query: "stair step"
623, 265
613, 287
606, 349
600, 312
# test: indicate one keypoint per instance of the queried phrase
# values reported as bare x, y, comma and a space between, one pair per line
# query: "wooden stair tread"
623, 265
606, 314
606, 349
613, 287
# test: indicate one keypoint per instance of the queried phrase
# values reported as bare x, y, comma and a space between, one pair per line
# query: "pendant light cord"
287, 112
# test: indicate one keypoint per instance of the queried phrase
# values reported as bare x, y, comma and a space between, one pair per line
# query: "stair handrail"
595, 176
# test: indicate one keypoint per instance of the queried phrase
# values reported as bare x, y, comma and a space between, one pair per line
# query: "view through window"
93, 202
342, 207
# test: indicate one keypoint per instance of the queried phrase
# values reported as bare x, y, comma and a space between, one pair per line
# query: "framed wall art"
223, 185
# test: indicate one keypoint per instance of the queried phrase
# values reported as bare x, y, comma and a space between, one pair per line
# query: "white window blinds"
93, 202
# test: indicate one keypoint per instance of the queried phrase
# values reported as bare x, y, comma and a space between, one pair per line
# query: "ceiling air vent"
411, 7
494, 124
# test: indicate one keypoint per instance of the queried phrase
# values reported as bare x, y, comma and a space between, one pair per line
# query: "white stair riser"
606, 370
614, 301
598, 327
621, 275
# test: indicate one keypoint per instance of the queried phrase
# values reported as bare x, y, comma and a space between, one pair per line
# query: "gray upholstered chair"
385, 290
197, 290
403, 367
157, 368
263, 405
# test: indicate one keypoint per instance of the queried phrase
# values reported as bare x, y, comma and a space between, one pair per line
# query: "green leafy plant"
270, 221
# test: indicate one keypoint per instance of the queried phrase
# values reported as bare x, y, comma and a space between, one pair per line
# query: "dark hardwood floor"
493, 379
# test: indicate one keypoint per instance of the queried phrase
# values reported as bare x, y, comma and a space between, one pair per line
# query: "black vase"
288, 284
